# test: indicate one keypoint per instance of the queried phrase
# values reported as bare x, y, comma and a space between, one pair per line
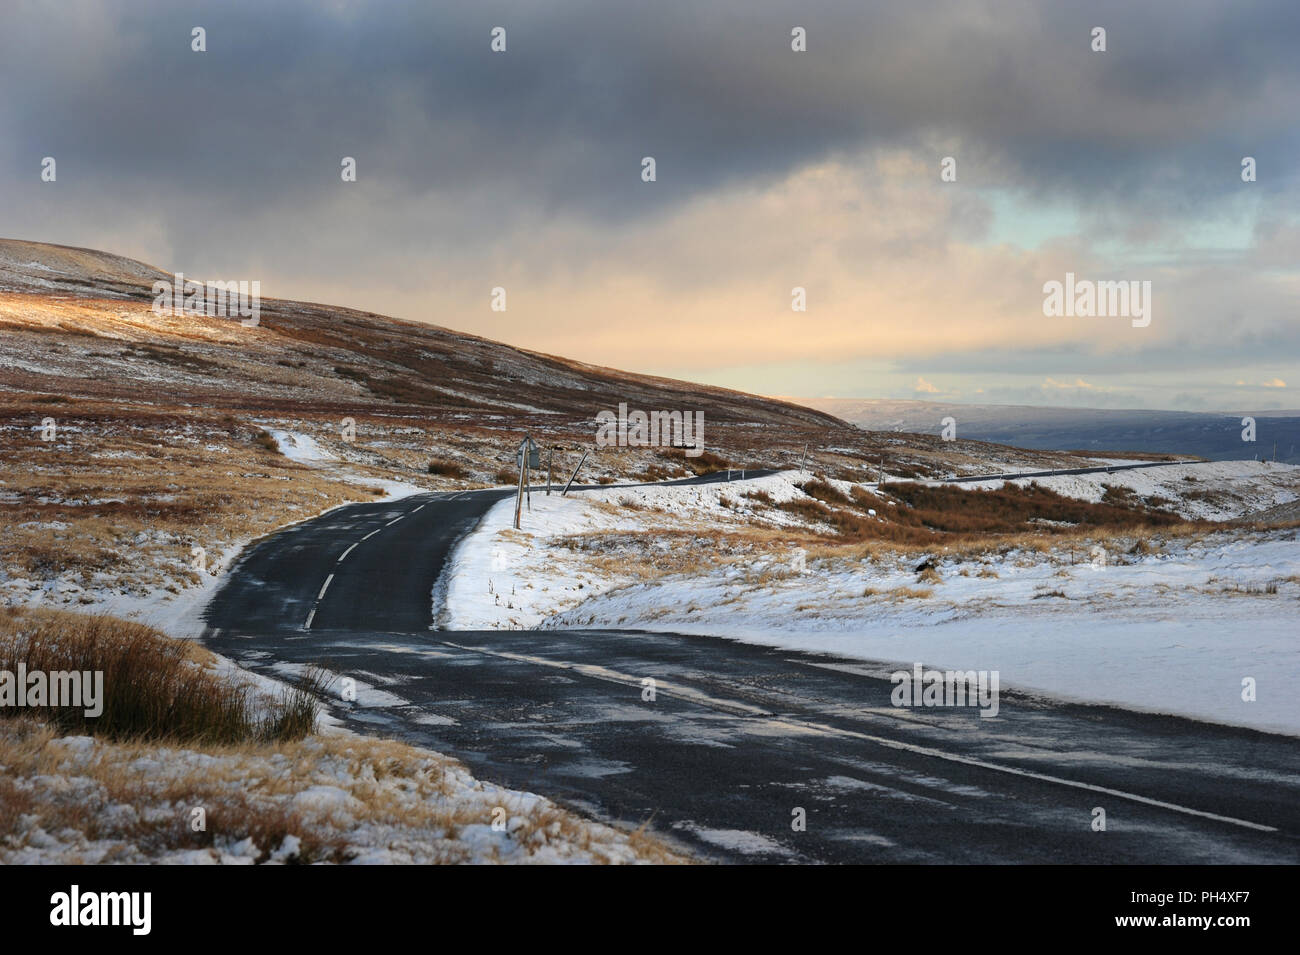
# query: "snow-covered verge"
337, 798
502, 578
1162, 622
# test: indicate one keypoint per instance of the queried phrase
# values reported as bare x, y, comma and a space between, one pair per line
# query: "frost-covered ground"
334, 798
1163, 623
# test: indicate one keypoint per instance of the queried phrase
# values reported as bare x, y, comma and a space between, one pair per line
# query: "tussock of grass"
154, 687
704, 463
445, 468
825, 492
910, 593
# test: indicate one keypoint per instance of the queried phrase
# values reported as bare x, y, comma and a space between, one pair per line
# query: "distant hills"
1215, 436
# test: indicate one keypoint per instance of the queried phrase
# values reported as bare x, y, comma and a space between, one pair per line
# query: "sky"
775, 169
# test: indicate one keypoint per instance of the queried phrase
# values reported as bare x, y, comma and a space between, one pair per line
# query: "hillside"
78, 326
77, 315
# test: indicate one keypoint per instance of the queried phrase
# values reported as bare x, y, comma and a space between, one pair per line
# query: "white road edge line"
744, 709
1030, 774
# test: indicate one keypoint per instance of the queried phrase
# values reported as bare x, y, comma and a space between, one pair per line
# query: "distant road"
740, 738
1102, 469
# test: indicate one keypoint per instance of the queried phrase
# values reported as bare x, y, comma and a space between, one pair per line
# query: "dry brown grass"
899, 594
444, 468
969, 522
128, 492
154, 687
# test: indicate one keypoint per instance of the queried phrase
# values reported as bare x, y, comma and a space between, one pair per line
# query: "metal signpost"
528, 456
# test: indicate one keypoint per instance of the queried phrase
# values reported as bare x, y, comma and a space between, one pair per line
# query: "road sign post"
519, 497
528, 456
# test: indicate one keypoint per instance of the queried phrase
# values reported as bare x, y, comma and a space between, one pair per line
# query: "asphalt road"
739, 738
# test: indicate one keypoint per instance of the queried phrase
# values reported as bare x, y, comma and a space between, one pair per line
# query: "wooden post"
550, 455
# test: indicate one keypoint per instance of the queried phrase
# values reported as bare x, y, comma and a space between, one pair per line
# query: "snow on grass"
305, 449
1215, 491
332, 799
300, 447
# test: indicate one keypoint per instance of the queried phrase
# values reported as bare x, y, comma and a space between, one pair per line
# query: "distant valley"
1211, 435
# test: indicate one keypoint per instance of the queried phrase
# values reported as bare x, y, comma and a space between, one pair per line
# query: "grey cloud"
561, 121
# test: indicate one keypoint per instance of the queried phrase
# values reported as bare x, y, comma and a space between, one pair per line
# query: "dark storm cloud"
710, 89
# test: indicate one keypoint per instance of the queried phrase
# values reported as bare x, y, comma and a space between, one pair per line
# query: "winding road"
740, 743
